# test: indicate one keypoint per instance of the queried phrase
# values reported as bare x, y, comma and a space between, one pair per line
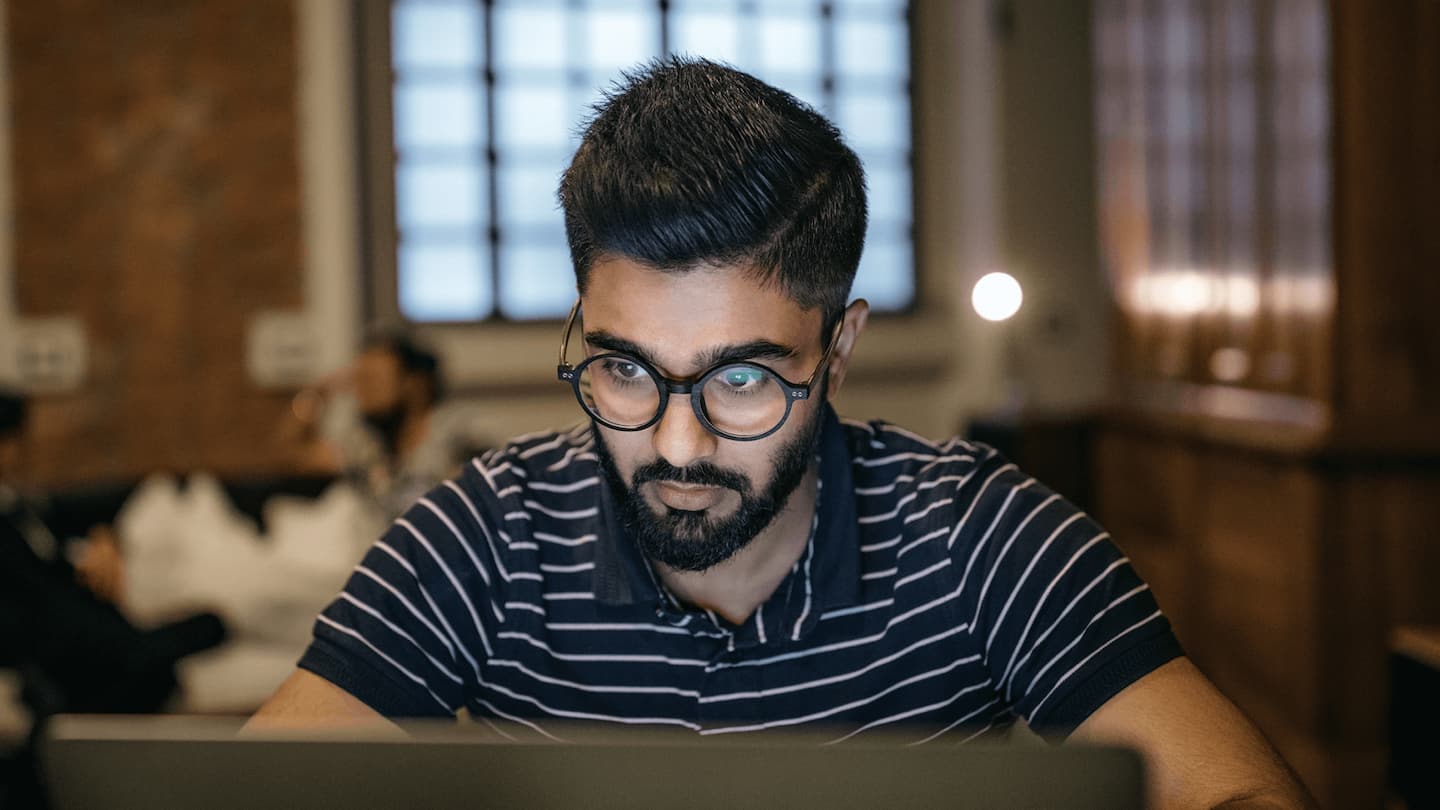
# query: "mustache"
701, 473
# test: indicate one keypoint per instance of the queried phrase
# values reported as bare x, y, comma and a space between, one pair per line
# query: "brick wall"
156, 195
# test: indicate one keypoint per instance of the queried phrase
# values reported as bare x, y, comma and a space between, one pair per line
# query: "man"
402, 446
716, 551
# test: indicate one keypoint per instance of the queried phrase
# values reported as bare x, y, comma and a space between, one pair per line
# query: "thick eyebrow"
707, 359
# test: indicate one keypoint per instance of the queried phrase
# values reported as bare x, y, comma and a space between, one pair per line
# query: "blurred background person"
392, 439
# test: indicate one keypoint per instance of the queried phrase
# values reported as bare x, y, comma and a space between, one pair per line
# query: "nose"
679, 437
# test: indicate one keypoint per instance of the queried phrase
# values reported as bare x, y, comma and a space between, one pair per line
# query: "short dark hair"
14, 411
688, 163
413, 357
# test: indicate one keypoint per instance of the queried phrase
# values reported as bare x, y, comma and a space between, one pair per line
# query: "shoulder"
885, 456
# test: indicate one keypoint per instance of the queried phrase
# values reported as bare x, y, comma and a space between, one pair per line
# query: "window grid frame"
379, 183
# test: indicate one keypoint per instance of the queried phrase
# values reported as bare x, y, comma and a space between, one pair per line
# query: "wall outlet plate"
50, 354
280, 349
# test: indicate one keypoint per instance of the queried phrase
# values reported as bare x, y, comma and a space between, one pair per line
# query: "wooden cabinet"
1269, 179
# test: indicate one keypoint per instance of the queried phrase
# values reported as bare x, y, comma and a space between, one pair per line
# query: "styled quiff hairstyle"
687, 163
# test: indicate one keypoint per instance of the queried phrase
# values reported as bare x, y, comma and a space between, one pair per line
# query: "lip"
688, 497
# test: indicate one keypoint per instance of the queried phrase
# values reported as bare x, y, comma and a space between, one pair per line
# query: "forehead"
677, 315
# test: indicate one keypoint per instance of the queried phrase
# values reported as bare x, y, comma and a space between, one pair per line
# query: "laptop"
176, 762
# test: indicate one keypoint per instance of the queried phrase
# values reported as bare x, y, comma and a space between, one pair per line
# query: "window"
484, 107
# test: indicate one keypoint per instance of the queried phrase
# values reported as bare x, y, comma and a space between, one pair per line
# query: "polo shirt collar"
622, 575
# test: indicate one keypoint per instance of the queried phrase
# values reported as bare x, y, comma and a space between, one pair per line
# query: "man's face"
377, 382
690, 498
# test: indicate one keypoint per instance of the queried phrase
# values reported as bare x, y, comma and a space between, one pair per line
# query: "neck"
736, 587
411, 432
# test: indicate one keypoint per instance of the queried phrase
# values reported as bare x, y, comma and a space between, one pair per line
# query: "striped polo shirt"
942, 593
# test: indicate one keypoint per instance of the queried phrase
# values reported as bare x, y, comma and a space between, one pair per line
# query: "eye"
623, 369
740, 378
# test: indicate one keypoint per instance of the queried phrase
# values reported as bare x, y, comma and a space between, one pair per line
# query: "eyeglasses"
740, 401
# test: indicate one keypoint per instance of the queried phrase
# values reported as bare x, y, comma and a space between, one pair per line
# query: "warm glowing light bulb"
996, 296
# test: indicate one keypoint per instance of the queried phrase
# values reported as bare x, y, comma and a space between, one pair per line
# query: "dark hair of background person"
14, 408
413, 358
689, 163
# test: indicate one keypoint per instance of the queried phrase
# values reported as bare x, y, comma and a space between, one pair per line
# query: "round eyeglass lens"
743, 400
619, 391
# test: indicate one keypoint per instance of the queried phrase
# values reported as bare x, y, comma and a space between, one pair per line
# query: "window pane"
536, 281
527, 195
437, 114
532, 116
713, 34
429, 35
874, 119
789, 43
887, 273
446, 282
620, 38
889, 192
529, 37
872, 46
446, 194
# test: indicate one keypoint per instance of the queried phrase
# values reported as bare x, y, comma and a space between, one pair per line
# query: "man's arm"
306, 700
1199, 750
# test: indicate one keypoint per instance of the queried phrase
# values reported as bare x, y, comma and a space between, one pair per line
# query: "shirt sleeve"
1064, 620
411, 630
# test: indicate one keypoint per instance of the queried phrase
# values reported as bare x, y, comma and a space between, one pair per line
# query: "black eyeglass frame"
795, 392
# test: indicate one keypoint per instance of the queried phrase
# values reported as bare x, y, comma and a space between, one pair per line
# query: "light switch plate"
280, 349
50, 354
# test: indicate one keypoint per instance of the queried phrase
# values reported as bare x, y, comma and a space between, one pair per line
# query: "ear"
854, 321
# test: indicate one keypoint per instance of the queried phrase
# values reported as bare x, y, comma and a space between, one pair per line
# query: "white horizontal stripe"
843, 676
639, 659
391, 661
546, 537
833, 710
1005, 549
608, 718
1081, 635
525, 606
902, 582
517, 516
409, 606
908, 713
484, 530
571, 455
1127, 631
888, 572
609, 689
882, 544
615, 626
576, 514
573, 486
850, 611
920, 541
454, 583
1039, 604
394, 628
839, 645
1025, 577
514, 489
522, 546
911, 518
891, 459
529, 576
540, 448
567, 595
1058, 619
498, 713
567, 569
961, 720
979, 497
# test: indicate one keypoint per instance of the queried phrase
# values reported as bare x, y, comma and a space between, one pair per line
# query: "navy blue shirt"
942, 592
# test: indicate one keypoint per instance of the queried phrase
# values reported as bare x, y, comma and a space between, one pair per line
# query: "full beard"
697, 541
